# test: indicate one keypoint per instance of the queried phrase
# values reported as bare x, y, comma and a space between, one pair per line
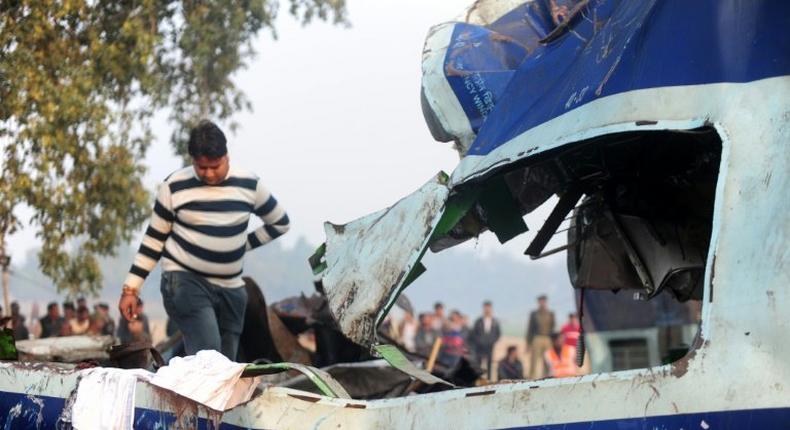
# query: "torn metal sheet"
374, 379
363, 276
396, 359
322, 380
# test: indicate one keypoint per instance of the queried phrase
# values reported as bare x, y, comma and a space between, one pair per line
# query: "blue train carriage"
657, 129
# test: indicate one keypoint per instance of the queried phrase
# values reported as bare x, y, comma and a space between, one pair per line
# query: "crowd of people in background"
75, 318
551, 349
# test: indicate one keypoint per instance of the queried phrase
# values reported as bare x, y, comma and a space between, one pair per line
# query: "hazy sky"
336, 130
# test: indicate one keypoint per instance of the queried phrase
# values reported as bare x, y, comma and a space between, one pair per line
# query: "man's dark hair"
487, 303
52, 305
438, 305
511, 348
68, 305
207, 140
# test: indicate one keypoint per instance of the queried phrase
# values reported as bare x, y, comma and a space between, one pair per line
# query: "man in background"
426, 335
510, 367
408, 330
570, 330
69, 315
103, 312
52, 322
539, 330
438, 319
454, 340
81, 324
485, 334
560, 358
18, 323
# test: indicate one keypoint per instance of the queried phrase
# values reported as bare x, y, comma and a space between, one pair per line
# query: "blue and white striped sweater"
203, 228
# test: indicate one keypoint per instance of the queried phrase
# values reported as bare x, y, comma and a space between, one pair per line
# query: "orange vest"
564, 365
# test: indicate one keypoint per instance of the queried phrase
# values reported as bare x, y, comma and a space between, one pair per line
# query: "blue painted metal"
776, 418
44, 412
610, 47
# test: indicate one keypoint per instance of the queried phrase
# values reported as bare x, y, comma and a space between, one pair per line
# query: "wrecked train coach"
660, 126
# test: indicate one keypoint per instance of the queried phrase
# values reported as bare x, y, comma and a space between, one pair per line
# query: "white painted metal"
368, 259
437, 90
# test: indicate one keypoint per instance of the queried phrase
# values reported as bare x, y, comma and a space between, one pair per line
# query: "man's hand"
127, 305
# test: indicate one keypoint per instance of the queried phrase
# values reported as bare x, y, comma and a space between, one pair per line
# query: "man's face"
487, 311
542, 303
53, 312
426, 320
439, 311
211, 170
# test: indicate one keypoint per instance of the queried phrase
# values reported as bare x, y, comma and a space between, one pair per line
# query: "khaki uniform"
541, 326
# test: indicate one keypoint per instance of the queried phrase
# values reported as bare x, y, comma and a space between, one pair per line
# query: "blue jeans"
209, 316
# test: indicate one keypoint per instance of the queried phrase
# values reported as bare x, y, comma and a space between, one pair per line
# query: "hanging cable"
580, 347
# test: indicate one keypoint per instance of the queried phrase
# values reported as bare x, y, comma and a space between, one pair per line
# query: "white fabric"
409, 334
487, 322
105, 399
207, 377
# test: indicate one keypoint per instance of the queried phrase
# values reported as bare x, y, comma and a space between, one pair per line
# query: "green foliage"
79, 82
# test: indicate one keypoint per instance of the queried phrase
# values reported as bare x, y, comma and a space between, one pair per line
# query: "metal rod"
564, 206
553, 251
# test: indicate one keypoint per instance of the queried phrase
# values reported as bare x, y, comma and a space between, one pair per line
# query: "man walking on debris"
539, 330
199, 230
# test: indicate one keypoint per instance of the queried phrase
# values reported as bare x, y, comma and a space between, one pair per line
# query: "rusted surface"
310, 399
286, 343
186, 411
681, 366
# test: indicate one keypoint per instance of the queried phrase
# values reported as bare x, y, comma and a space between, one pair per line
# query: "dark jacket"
20, 331
482, 341
510, 370
423, 341
50, 328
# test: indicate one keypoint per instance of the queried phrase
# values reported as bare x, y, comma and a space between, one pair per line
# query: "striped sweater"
202, 228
